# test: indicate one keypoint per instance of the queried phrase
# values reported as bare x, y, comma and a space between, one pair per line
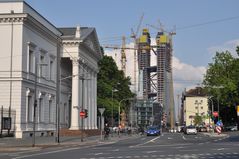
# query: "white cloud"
229, 46
186, 76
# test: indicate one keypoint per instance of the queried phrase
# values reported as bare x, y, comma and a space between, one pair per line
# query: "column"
89, 100
92, 100
75, 96
95, 98
86, 96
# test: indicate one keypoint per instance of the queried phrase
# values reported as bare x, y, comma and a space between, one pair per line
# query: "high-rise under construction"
144, 61
157, 80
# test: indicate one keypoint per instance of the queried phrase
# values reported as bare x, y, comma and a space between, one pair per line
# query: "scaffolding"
157, 80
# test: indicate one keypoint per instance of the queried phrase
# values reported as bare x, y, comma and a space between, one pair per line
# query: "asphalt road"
166, 146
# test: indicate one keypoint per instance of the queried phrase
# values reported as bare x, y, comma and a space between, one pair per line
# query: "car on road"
202, 129
153, 130
191, 130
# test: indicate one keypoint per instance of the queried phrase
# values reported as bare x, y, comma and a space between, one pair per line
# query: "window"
42, 60
29, 109
50, 111
51, 70
41, 110
201, 107
30, 57
30, 61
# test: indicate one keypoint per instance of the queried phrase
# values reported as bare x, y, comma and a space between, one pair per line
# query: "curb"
215, 135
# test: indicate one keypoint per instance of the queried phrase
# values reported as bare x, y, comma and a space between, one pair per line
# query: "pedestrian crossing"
176, 156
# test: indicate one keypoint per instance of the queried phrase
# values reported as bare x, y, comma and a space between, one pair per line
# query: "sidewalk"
211, 134
10, 144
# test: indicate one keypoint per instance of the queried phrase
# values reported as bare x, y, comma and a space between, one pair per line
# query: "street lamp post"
211, 112
112, 111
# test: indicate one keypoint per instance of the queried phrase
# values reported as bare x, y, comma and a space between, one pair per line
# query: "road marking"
151, 151
154, 139
146, 142
51, 152
169, 138
96, 154
189, 150
184, 138
115, 150
180, 147
168, 145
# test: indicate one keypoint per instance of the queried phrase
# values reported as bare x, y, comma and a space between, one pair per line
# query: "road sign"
101, 110
215, 114
238, 110
82, 114
218, 129
219, 123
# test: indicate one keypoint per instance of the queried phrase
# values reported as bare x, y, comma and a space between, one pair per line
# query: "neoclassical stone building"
80, 55
29, 48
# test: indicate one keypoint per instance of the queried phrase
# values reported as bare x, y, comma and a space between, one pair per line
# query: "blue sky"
193, 47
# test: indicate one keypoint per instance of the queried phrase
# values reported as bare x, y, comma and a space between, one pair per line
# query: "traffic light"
86, 113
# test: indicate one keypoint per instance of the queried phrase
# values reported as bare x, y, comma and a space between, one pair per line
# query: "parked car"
191, 130
231, 128
202, 129
153, 130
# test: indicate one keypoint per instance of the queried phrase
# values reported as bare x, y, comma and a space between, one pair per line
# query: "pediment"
91, 41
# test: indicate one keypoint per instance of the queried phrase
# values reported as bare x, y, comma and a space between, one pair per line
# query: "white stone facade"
29, 46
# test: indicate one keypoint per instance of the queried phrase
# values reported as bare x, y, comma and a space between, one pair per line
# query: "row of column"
84, 92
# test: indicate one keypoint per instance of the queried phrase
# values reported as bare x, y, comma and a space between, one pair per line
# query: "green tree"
198, 120
110, 78
221, 82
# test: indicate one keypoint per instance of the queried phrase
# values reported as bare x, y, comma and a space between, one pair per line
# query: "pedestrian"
106, 131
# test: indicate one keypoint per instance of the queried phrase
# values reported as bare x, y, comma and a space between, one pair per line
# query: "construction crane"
123, 49
134, 36
123, 56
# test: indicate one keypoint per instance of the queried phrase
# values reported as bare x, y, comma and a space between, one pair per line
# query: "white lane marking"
116, 150
96, 154
51, 152
184, 138
168, 145
189, 150
180, 147
221, 149
146, 142
169, 138
151, 151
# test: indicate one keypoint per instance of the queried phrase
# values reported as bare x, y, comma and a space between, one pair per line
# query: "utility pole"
82, 109
35, 103
58, 92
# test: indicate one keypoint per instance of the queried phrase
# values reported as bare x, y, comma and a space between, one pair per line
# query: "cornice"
71, 42
13, 18
31, 22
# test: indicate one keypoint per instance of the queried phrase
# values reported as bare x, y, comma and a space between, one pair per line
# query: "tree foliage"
109, 79
221, 81
198, 120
